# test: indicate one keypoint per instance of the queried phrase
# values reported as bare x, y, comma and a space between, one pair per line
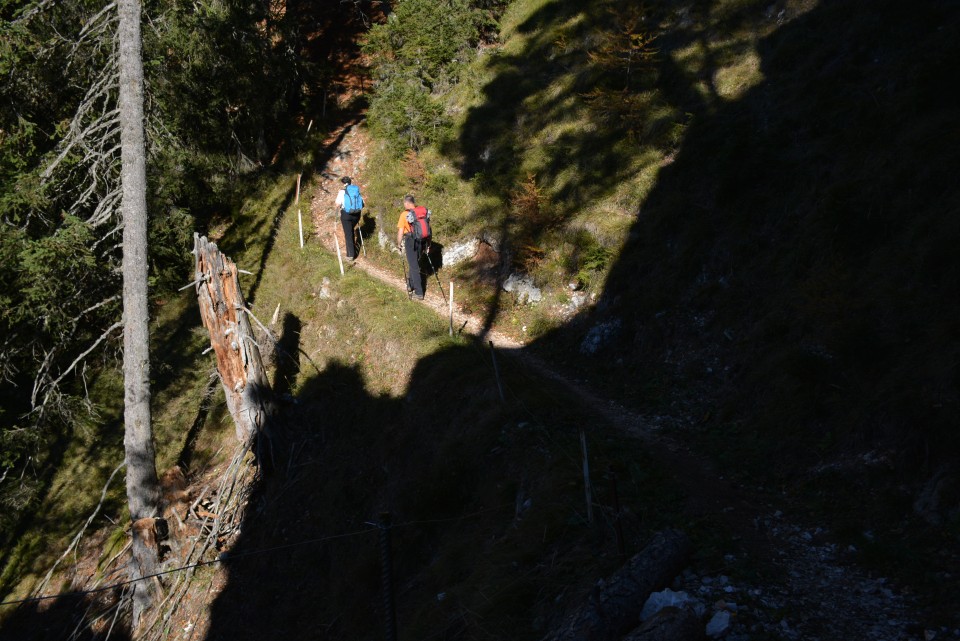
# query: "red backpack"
419, 219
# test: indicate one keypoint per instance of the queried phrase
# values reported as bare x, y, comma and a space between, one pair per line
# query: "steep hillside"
769, 182
739, 213
733, 221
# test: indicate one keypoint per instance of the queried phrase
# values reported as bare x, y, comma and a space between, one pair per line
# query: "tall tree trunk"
239, 363
143, 488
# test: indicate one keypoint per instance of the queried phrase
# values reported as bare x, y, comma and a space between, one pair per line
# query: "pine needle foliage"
418, 53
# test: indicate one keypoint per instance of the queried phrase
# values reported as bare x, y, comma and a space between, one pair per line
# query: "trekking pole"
363, 247
406, 279
496, 372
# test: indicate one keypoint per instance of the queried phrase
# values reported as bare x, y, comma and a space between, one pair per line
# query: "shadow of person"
367, 227
433, 258
287, 355
283, 557
306, 563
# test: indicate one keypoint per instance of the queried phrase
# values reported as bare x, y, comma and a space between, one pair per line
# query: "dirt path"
825, 595
350, 160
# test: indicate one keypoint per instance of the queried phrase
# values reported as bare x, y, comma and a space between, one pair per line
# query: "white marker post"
299, 214
451, 308
300, 224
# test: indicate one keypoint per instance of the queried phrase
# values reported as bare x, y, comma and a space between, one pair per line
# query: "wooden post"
588, 490
386, 580
617, 523
451, 308
224, 314
496, 372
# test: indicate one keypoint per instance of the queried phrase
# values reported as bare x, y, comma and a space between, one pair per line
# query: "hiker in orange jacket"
412, 246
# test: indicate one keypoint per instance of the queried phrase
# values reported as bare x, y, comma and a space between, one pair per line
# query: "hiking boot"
418, 296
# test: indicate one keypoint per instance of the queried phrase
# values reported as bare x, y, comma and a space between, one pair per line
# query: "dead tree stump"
225, 315
615, 604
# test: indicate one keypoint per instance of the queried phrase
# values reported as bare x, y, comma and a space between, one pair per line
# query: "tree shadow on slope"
795, 263
523, 98
567, 121
486, 505
75, 618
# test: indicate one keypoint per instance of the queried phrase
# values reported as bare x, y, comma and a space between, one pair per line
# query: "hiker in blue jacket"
350, 203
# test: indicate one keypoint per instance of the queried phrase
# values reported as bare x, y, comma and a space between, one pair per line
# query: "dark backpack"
352, 200
419, 219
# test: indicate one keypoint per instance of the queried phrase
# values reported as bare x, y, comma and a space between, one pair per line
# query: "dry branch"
76, 539
52, 386
228, 506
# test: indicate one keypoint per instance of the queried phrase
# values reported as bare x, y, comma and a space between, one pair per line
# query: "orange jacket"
402, 225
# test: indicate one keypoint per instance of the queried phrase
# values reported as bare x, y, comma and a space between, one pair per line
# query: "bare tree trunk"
143, 488
224, 314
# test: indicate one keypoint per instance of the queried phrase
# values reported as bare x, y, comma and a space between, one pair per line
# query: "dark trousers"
349, 222
411, 248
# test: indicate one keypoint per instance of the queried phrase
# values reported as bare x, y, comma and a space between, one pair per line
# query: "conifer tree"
143, 495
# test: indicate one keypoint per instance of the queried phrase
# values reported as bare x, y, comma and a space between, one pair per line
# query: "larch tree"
143, 488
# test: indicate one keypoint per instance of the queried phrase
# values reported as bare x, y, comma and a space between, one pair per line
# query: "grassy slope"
780, 222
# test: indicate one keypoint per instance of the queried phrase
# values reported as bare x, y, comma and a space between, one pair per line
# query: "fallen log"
614, 606
669, 624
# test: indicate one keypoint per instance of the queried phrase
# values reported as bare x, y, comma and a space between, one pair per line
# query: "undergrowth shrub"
583, 257
405, 115
623, 60
417, 55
